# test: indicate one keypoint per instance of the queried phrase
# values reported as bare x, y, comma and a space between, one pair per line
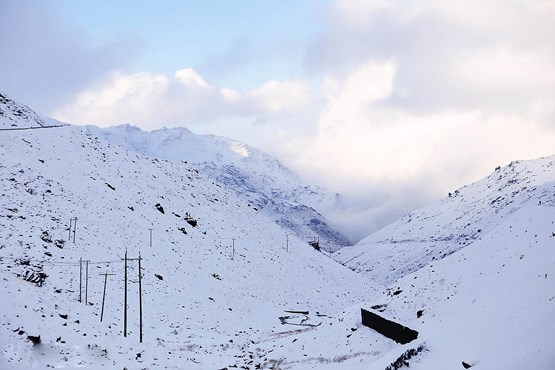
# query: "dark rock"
159, 208
35, 340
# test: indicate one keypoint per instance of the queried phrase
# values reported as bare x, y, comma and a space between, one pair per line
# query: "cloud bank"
396, 103
46, 59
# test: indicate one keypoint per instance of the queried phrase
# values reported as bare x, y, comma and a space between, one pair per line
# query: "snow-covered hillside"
254, 176
435, 231
216, 282
17, 116
473, 274
224, 286
491, 304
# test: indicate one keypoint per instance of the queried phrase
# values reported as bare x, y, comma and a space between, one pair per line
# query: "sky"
393, 104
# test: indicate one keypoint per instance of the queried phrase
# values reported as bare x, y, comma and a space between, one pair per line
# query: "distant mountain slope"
435, 231
14, 115
254, 176
215, 283
17, 116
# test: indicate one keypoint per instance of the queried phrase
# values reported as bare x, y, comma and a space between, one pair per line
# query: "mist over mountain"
256, 177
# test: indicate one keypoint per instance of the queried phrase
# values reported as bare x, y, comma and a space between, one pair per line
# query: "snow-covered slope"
435, 231
16, 116
212, 292
473, 274
254, 176
220, 275
490, 304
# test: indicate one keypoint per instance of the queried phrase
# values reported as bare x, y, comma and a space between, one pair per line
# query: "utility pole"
287, 243
74, 229
80, 277
104, 294
140, 304
150, 237
140, 298
70, 225
125, 299
87, 283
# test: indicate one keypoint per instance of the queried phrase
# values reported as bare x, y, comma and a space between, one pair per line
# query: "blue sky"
263, 38
393, 103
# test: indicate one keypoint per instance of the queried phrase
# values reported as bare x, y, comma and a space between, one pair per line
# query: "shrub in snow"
403, 360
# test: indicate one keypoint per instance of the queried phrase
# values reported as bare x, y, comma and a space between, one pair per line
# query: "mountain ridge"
442, 228
256, 177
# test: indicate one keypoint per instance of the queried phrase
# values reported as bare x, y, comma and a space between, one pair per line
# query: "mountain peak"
14, 115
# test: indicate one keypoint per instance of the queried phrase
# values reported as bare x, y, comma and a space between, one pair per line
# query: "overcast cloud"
46, 59
397, 102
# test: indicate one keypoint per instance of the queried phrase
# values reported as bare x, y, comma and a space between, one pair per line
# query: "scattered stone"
34, 339
159, 208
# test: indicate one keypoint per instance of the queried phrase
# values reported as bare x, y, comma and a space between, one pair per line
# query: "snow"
254, 176
437, 230
16, 116
207, 297
492, 303
478, 265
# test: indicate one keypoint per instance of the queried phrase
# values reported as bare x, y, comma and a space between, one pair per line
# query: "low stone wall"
399, 333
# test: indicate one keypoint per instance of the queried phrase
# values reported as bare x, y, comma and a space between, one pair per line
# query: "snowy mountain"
464, 217
224, 287
254, 176
216, 282
491, 304
18, 116
473, 274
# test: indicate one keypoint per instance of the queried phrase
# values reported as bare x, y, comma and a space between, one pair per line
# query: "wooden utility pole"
140, 298
74, 228
104, 294
287, 242
87, 283
80, 277
140, 304
125, 299
70, 225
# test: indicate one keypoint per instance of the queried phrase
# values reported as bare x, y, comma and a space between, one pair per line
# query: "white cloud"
388, 160
401, 101
277, 96
501, 68
152, 100
189, 77
350, 97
